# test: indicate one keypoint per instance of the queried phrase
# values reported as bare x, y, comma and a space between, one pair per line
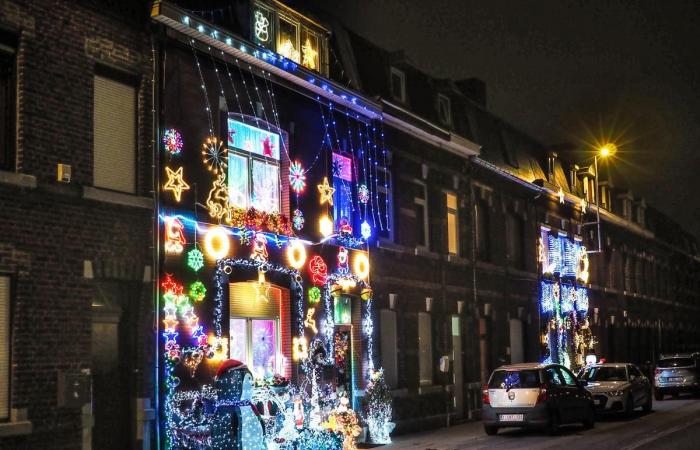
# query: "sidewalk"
440, 439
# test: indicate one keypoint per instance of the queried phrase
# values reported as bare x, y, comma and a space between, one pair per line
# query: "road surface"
674, 424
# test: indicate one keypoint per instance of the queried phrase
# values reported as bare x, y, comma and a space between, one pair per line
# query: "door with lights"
343, 345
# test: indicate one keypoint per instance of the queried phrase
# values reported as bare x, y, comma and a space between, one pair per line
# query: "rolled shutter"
114, 165
4, 347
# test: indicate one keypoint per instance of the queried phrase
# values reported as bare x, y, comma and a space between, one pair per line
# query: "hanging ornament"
314, 295
175, 183
172, 141
259, 252
195, 259
215, 155
363, 194
365, 230
174, 235
298, 220
318, 270
326, 192
297, 179
198, 291
343, 261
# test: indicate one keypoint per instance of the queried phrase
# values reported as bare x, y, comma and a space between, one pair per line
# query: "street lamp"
604, 151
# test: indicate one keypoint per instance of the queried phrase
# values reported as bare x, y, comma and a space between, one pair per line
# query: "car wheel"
553, 427
647, 404
658, 396
589, 421
491, 431
629, 406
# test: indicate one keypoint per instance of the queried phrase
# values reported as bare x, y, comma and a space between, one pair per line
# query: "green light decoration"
314, 295
198, 291
195, 259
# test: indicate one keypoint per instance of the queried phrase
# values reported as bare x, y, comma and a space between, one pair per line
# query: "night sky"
569, 71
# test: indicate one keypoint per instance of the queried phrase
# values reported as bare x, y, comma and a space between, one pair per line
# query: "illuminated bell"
336, 290
366, 294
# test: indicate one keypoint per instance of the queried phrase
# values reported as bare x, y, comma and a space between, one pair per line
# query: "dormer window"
398, 85
444, 109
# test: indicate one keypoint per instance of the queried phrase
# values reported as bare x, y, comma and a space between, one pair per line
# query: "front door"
343, 359
457, 366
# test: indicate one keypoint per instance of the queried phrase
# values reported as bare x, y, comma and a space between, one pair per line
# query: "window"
420, 204
515, 379
263, 21
342, 183
114, 134
425, 348
452, 223
4, 347
515, 240
387, 342
288, 39
552, 376
7, 108
386, 202
569, 378
482, 231
398, 85
253, 167
254, 331
444, 109
310, 49
342, 310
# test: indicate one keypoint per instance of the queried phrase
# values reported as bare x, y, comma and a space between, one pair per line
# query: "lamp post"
606, 150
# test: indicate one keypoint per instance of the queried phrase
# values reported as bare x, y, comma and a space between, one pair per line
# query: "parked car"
676, 374
617, 387
535, 395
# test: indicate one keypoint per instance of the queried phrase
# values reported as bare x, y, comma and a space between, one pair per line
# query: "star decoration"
308, 58
326, 192
175, 183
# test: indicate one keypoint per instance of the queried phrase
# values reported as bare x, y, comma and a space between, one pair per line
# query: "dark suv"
676, 374
535, 395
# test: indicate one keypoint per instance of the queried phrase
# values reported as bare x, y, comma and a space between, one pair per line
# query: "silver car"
537, 396
677, 373
617, 387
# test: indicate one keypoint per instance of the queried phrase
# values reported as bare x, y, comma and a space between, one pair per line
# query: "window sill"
17, 179
117, 198
430, 389
20, 428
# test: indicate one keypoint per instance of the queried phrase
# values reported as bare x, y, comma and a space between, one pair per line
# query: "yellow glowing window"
288, 40
452, 224
309, 50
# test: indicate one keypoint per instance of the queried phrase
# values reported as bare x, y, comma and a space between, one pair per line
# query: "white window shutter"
114, 135
4, 347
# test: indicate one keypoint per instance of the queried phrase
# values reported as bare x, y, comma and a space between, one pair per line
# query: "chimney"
474, 89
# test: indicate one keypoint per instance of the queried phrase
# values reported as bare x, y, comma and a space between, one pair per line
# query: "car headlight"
616, 393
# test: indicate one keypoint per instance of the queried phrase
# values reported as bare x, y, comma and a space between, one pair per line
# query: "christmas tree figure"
378, 408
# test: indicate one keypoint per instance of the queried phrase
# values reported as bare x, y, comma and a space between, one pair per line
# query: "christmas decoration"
344, 421
298, 220
296, 254
310, 322
175, 182
365, 230
360, 265
326, 192
325, 226
174, 235
314, 295
216, 242
195, 259
297, 178
172, 142
259, 251
343, 261
318, 270
377, 412
300, 348
363, 194
215, 155
308, 55
198, 291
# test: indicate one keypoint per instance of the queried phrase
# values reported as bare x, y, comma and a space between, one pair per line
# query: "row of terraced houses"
476, 222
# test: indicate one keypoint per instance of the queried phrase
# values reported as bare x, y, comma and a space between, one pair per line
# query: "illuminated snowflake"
298, 220
215, 155
297, 179
172, 141
195, 259
363, 194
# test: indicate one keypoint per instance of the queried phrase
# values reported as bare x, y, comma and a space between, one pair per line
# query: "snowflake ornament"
172, 141
298, 220
297, 179
363, 194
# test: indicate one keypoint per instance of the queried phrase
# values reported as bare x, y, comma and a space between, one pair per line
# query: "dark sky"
569, 71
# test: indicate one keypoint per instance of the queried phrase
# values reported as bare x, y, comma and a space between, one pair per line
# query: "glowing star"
363, 194
365, 230
310, 322
174, 236
195, 259
561, 196
259, 252
326, 192
215, 155
360, 265
216, 242
297, 179
343, 261
296, 254
262, 287
175, 183
318, 270
300, 348
172, 141
298, 220
170, 286
309, 54
325, 226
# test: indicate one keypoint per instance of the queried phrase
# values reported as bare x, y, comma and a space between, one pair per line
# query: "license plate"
675, 379
510, 417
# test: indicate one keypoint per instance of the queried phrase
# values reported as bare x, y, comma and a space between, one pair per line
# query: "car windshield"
514, 379
604, 374
675, 362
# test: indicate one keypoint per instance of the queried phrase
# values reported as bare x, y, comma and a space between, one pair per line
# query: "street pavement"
673, 424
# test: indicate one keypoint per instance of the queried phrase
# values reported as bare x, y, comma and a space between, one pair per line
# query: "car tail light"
542, 396
485, 396
658, 371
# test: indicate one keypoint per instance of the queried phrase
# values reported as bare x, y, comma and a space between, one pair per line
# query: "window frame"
454, 211
391, 371
249, 338
424, 203
402, 76
483, 254
444, 99
9, 146
425, 381
279, 17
